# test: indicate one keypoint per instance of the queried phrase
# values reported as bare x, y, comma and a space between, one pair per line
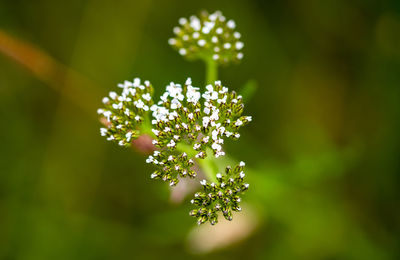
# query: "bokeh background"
323, 149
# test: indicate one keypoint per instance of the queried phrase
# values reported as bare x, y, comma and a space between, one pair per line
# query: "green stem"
211, 70
207, 165
146, 127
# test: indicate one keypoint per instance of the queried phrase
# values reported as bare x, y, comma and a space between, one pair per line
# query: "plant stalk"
211, 71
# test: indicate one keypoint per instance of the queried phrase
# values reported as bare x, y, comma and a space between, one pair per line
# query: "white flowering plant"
188, 127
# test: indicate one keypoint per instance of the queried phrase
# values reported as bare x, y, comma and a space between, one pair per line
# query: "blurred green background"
323, 148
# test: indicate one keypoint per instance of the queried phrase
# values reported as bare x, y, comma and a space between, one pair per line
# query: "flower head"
223, 196
208, 36
125, 112
200, 122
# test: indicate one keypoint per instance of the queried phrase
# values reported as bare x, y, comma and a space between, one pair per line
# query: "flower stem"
207, 165
146, 127
211, 70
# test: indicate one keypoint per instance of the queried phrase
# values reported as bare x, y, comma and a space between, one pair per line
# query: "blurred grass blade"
248, 90
40, 64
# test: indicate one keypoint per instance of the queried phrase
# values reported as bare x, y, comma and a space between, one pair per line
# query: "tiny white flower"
171, 41
150, 159
136, 82
192, 95
222, 100
139, 103
103, 131
182, 51
177, 30
238, 122
113, 95
107, 114
201, 42
206, 30
231, 24
128, 136
117, 106
196, 35
203, 182
215, 115
206, 120
214, 134
195, 23
182, 21
216, 147
239, 45
227, 45
146, 96
106, 100
171, 143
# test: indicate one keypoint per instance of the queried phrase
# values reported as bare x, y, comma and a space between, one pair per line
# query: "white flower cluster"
198, 121
209, 35
124, 113
181, 117
222, 196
